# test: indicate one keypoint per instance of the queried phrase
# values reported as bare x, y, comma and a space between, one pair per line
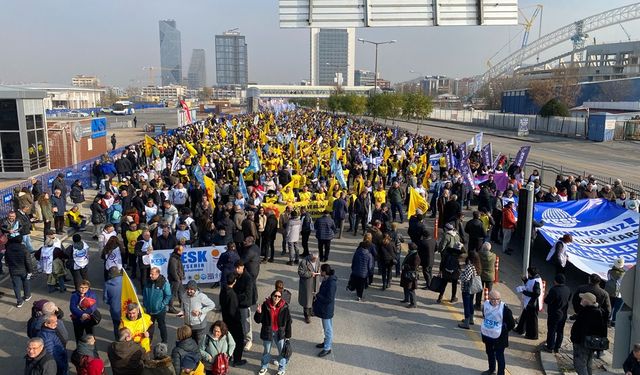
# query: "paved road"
607, 159
377, 336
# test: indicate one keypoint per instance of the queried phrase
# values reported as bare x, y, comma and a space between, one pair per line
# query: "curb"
549, 363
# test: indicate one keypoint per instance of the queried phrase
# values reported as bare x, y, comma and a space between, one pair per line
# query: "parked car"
77, 114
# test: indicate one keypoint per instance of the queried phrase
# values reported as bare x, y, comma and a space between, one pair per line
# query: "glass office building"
231, 59
170, 53
332, 56
197, 76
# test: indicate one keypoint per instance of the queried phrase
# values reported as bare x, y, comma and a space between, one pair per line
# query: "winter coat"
409, 266
339, 209
251, 259
293, 230
590, 321
308, 284
271, 227
557, 301
362, 262
476, 233
426, 250
112, 296
18, 259
156, 295
386, 254
59, 203
183, 348
325, 301
164, 243
632, 365
249, 228
162, 366
98, 213
77, 193
199, 301
488, 263
508, 323
246, 290
229, 307
602, 298
175, 269
43, 364
210, 348
54, 346
58, 183
264, 318
74, 305
325, 228
125, 357
226, 264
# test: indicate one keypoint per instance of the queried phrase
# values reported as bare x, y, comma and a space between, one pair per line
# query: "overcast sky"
51, 41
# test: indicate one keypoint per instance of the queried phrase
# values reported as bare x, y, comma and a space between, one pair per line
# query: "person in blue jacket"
156, 297
361, 267
324, 305
112, 297
82, 305
54, 345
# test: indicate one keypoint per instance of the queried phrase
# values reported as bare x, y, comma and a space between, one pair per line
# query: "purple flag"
449, 157
496, 160
487, 154
463, 151
521, 156
466, 173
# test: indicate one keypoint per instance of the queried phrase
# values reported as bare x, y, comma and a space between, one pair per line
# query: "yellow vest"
138, 328
132, 238
380, 196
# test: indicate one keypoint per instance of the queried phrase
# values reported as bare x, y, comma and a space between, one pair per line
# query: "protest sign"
200, 263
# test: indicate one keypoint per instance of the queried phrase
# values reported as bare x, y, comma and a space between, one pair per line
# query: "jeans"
555, 333
327, 326
245, 317
323, 249
616, 305
21, 284
266, 354
397, 207
582, 359
26, 241
176, 293
294, 252
467, 304
398, 254
506, 238
352, 221
159, 320
495, 353
410, 295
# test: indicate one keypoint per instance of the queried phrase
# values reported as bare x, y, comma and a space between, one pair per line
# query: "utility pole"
528, 228
375, 78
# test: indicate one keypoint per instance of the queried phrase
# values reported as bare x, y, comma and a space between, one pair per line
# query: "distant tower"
332, 55
197, 77
231, 59
170, 53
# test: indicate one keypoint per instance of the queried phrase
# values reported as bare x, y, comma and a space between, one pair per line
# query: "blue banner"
602, 232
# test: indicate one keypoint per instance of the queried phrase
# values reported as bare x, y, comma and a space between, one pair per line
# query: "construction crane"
528, 23
625, 31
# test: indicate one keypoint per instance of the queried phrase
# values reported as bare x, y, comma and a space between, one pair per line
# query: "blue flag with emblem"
340, 176
254, 162
242, 186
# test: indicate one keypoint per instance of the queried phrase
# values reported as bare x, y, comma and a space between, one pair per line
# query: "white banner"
199, 263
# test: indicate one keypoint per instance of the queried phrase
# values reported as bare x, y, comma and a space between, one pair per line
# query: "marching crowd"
239, 183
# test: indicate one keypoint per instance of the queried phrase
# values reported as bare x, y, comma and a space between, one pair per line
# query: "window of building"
8, 115
11, 152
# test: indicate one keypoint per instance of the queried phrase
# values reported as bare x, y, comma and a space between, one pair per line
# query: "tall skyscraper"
232, 67
332, 56
197, 76
170, 53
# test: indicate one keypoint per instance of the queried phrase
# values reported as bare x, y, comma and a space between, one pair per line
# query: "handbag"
350, 284
220, 364
436, 284
287, 351
475, 285
96, 317
596, 343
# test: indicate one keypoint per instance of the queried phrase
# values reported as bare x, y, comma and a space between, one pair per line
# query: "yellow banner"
314, 208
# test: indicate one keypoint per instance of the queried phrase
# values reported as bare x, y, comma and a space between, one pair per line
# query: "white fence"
565, 126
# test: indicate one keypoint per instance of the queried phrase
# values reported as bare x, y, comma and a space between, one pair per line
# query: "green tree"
423, 106
334, 103
377, 105
396, 104
554, 107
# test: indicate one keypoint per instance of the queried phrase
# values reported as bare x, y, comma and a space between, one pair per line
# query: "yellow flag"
235, 139
203, 161
427, 176
191, 149
263, 137
416, 201
137, 327
148, 145
246, 134
223, 133
210, 188
387, 154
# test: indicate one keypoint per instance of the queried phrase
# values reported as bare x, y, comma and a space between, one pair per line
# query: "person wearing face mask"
324, 305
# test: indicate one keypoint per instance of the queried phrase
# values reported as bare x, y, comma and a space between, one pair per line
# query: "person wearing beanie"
557, 301
160, 363
78, 253
195, 306
612, 287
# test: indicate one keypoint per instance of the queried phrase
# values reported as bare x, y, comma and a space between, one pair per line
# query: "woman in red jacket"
275, 318
508, 226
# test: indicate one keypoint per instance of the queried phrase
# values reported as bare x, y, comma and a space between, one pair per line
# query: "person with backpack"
409, 275
612, 287
450, 270
217, 348
86, 358
186, 354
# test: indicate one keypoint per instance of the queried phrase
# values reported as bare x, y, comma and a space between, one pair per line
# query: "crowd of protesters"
244, 182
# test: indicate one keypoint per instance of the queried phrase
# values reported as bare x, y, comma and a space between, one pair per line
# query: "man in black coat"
452, 210
557, 301
59, 183
175, 271
246, 291
250, 256
18, 261
230, 309
602, 297
426, 249
475, 231
591, 320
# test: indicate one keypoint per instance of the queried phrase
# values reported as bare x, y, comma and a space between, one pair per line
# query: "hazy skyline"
51, 42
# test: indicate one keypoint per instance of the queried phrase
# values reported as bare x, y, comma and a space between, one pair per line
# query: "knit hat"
448, 226
589, 297
160, 350
192, 285
619, 263
76, 238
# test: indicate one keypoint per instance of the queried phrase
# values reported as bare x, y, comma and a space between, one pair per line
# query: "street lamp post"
375, 78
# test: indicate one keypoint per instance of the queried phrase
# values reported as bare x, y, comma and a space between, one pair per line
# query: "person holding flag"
133, 316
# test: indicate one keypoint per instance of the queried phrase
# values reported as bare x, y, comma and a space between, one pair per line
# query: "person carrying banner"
558, 254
